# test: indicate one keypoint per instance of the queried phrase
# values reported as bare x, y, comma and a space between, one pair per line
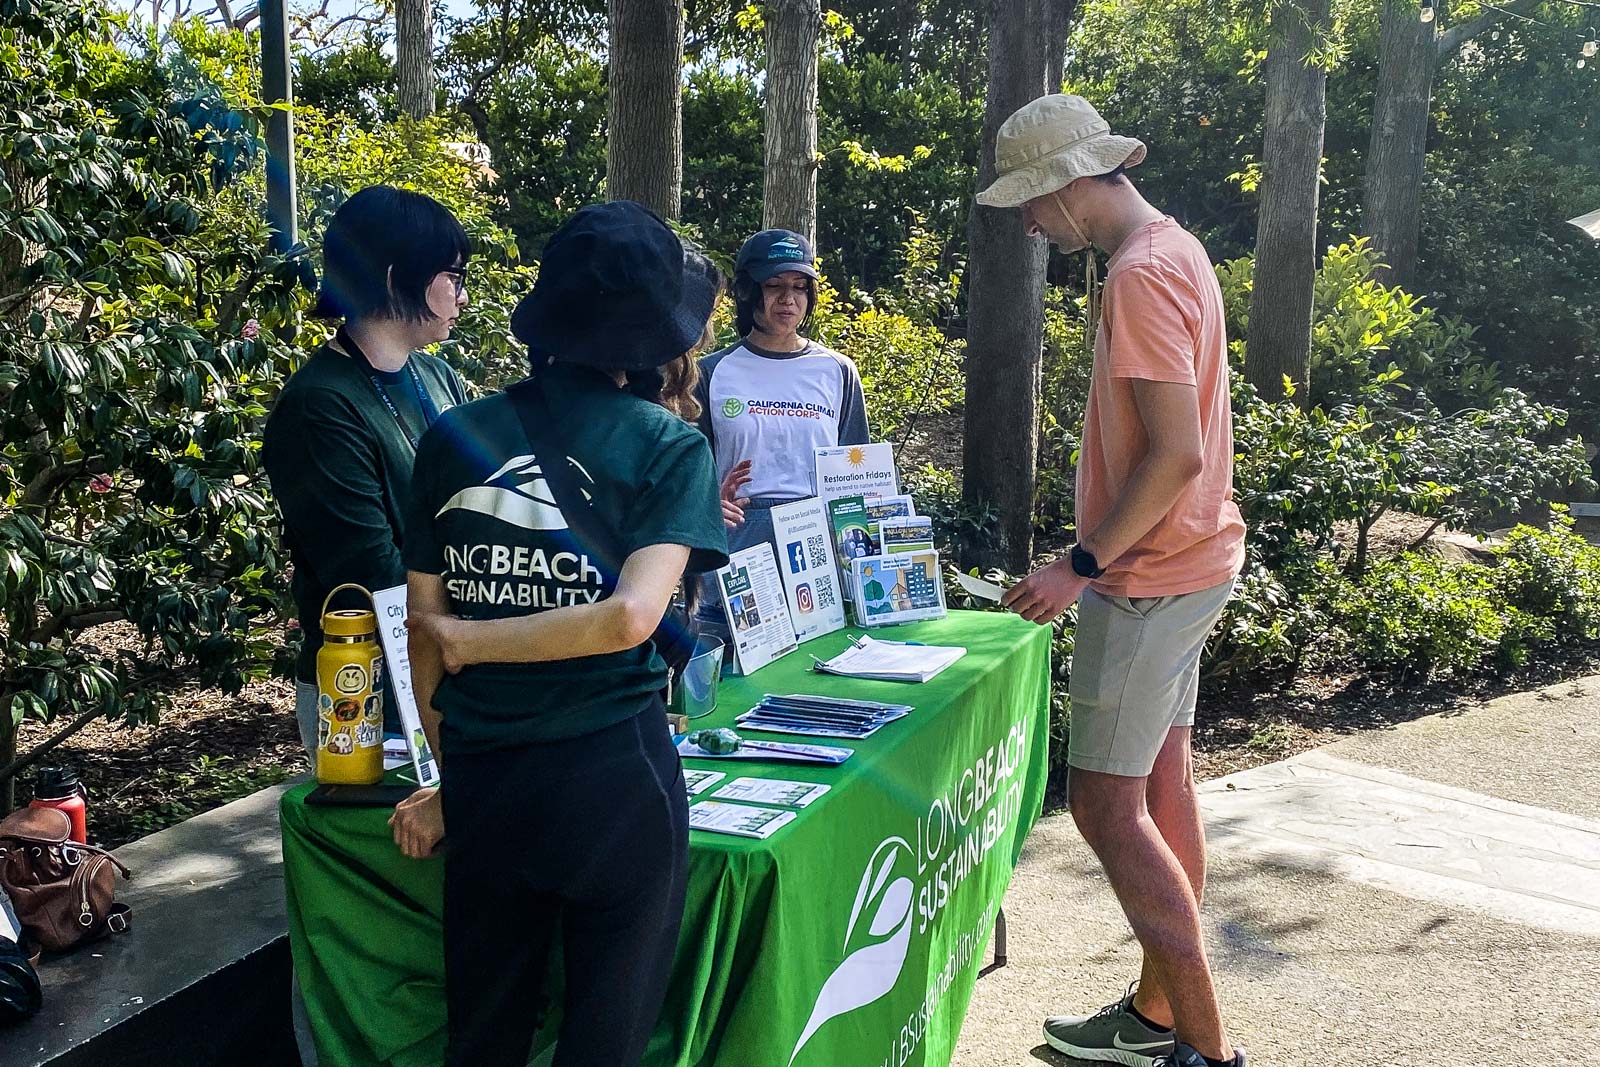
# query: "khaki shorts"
1136, 675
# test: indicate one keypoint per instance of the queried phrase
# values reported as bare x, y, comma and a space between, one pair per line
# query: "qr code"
817, 549
824, 591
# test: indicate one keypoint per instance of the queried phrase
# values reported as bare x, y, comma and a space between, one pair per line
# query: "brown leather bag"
64, 893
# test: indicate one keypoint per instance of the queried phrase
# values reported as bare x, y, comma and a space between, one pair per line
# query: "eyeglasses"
459, 276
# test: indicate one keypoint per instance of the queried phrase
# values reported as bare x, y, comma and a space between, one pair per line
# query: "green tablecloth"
851, 938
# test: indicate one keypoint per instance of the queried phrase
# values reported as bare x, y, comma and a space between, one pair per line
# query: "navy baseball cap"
771, 252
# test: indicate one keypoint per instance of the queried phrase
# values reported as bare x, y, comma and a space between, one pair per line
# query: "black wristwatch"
1084, 565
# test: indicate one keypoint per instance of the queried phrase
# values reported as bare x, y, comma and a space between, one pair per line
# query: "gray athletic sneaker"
1184, 1056
1111, 1035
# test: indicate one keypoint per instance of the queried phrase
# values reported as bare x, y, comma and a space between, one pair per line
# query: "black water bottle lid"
55, 783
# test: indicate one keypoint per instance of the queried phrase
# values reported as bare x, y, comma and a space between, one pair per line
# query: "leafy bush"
1421, 616
1553, 574
1277, 622
1362, 328
1300, 473
148, 327
909, 366
143, 328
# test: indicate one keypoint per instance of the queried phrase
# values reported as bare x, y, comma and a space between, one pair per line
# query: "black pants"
590, 837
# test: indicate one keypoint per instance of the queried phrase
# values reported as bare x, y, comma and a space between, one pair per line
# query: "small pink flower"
251, 330
100, 483
292, 626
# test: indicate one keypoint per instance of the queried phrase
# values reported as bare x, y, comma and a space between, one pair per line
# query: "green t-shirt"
340, 467
484, 519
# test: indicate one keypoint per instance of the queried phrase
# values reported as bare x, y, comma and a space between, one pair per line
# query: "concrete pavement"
1420, 895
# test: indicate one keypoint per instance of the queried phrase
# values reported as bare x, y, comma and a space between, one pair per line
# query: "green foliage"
209, 782
148, 327
1553, 574
958, 527
1277, 621
357, 82
338, 156
131, 376
1064, 392
1360, 328
909, 366
535, 95
1300, 473
1421, 617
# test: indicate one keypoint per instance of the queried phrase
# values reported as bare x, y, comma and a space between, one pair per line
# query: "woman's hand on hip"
448, 634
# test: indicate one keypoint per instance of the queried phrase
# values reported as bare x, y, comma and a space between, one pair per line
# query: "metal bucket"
695, 693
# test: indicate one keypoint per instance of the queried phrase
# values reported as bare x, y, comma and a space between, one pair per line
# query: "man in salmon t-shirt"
1160, 542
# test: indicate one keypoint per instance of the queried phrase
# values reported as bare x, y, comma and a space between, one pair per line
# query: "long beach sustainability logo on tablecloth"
905, 889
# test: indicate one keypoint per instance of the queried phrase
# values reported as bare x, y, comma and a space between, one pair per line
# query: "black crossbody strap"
533, 409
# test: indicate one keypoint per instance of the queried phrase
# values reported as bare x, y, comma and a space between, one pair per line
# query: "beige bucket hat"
1051, 142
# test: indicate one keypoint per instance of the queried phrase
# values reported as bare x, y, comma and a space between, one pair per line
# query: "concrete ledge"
203, 976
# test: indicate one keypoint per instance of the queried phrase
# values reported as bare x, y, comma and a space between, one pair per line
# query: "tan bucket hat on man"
1051, 142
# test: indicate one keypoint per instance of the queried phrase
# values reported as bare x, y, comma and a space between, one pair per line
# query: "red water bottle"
59, 788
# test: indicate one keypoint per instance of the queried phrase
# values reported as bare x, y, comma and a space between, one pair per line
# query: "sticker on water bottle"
350, 679
368, 735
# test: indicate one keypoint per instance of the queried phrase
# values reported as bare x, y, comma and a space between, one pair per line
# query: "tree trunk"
16, 254
644, 142
789, 197
1005, 318
1392, 214
413, 57
1279, 341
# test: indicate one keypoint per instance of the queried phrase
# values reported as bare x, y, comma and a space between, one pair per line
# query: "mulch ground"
208, 749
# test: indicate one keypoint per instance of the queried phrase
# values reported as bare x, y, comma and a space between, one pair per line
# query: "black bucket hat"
772, 252
617, 290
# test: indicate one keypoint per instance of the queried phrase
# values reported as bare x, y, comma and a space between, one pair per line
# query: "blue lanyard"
424, 401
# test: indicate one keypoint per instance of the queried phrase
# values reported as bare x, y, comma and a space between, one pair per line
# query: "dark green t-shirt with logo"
340, 464
484, 519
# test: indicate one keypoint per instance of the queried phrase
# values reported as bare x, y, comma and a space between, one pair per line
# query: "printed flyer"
904, 587
737, 819
758, 615
910, 534
772, 791
810, 575
865, 470
390, 605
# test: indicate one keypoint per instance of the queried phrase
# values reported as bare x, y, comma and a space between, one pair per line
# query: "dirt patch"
1235, 731
208, 749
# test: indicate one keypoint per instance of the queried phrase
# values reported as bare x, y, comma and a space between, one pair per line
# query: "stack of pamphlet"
821, 716
889, 568
890, 661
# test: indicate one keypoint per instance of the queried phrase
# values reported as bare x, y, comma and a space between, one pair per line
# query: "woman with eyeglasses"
341, 440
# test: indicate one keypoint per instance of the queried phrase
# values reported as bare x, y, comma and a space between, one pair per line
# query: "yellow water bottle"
349, 696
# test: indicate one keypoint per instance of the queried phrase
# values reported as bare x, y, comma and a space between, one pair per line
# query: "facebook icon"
797, 557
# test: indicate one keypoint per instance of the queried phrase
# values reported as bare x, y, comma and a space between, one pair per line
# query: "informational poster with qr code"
805, 559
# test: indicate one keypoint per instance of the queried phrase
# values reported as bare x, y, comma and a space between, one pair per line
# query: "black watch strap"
1084, 565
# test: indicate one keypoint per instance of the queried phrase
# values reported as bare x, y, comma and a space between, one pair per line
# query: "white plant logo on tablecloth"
872, 970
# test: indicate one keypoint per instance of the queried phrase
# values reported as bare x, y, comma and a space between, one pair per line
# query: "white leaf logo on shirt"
517, 493
872, 970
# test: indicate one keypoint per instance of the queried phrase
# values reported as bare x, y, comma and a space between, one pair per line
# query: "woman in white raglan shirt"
769, 401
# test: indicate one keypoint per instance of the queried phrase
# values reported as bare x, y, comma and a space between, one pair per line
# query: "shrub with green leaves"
148, 326
1361, 328
145, 324
909, 366
1421, 616
1553, 574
